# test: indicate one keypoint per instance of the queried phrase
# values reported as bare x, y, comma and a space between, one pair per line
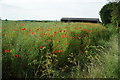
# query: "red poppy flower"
60, 50
33, 33
72, 37
26, 32
48, 40
51, 36
48, 34
55, 32
41, 47
52, 53
84, 30
56, 51
63, 36
66, 43
47, 29
16, 56
23, 29
76, 28
37, 29
44, 34
6, 50
79, 37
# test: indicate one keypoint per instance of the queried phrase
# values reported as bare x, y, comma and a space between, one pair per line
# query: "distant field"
51, 49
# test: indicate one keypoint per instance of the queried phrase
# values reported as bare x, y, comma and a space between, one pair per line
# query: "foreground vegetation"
56, 50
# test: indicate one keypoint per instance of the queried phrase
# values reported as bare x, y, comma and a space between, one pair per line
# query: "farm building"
92, 20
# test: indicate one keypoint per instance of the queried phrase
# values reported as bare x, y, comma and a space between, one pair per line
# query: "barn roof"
86, 19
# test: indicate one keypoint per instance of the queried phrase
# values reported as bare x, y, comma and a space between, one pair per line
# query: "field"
57, 50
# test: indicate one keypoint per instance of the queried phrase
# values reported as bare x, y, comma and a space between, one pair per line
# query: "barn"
91, 20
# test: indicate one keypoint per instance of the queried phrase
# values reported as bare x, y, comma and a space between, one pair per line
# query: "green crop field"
55, 49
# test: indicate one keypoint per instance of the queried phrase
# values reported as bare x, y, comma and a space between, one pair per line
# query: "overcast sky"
50, 9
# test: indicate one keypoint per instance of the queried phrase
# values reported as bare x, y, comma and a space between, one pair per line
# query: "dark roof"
86, 19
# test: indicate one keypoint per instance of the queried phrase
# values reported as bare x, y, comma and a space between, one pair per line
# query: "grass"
109, 64
57, 50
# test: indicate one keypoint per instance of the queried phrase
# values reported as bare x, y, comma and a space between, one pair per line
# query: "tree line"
110, 13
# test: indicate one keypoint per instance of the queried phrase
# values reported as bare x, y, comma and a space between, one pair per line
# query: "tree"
6, 20
105, 13
113, 0
116, 14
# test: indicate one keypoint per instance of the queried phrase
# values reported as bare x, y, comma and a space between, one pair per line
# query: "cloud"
9, 6
50, 9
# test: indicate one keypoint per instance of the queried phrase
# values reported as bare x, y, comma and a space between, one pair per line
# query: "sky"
50, 9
